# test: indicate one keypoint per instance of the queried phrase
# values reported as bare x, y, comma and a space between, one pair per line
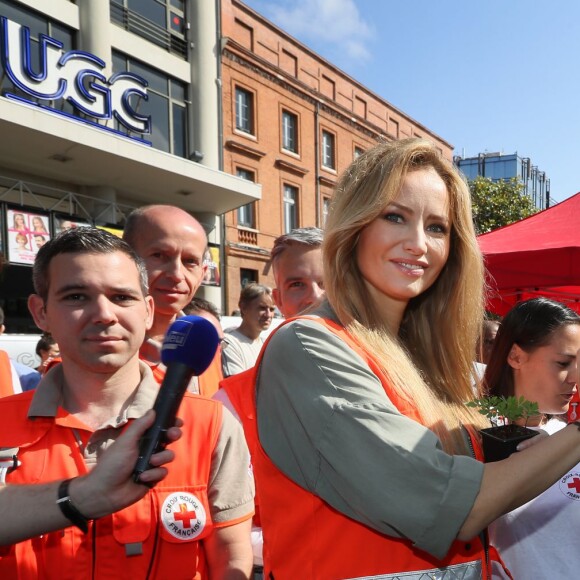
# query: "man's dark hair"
44, 343
530, 324
201, 304
82, 240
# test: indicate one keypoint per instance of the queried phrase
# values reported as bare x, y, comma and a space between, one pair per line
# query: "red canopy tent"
537, 256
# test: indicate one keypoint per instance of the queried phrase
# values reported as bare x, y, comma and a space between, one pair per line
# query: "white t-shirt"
540, 538
239, 352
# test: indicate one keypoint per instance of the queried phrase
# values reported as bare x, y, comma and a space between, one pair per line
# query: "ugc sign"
75, 76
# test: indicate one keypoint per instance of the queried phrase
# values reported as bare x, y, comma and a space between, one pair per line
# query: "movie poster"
62, 224
212, 261
27, 233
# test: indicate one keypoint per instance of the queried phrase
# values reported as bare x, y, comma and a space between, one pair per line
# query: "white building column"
95, 37
204, 81
205, 109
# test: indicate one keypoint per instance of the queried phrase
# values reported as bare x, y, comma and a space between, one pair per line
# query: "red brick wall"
283, 73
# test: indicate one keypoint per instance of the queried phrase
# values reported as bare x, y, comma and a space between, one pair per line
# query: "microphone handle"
171, 391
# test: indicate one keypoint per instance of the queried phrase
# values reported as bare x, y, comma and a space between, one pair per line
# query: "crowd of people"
340, 447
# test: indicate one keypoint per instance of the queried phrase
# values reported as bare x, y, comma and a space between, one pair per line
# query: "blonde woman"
18, 222
38, 225
363, 449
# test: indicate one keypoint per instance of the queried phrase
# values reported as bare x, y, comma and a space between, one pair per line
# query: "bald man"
172, 243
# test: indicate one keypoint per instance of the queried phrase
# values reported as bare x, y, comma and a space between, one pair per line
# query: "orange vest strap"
209, 380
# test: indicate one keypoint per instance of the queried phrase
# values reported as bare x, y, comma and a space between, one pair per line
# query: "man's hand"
109, 487
29, 510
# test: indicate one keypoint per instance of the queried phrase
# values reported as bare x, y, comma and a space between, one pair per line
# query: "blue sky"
485, 76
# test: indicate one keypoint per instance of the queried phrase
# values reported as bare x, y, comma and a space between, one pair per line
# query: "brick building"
292, 122
186, 97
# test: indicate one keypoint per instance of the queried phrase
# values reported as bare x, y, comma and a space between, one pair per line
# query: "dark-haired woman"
535, 356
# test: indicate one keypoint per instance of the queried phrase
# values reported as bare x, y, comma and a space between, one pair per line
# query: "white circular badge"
570, 485
183, 515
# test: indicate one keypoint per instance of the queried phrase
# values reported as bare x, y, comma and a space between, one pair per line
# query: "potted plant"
501, 439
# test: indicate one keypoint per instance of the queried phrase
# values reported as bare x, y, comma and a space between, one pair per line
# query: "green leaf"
509, 408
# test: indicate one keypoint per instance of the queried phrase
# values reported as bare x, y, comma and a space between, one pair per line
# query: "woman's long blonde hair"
430, 362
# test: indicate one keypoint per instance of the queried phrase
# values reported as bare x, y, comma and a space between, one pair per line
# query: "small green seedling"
508, 409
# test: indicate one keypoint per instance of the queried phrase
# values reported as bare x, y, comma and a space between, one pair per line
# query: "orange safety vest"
306, 538
208, 382
157, 537
6, 386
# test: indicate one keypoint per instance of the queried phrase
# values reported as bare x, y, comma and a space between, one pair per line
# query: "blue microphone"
188, 349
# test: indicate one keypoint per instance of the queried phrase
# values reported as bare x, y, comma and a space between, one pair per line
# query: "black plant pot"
500, 442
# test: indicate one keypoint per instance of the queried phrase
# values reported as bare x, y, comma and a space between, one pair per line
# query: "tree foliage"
498, 203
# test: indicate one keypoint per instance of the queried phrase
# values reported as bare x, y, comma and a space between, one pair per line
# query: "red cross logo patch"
183, 515
570, 485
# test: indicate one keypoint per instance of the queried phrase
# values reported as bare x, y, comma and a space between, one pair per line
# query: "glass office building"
497, 166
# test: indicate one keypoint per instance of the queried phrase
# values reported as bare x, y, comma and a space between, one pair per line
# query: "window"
290, 208
248, 276
244, 111
289, 131
328, 159
325, 209
358, 151
166, 104
158, 21
246, 212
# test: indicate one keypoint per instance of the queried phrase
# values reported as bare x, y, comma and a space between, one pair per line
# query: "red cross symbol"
575, 484
185, 517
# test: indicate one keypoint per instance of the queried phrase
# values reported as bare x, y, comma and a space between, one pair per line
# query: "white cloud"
336, 22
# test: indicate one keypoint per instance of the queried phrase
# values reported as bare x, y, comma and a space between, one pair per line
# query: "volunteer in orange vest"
31, 510
296, 261
363, 463
172, 244
91, 295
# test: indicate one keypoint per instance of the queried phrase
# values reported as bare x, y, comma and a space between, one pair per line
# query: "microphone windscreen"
192, 341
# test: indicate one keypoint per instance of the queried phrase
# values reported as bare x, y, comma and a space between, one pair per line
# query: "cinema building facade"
105, 109
107, 106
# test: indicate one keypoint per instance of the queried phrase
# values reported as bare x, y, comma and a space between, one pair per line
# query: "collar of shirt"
48, 396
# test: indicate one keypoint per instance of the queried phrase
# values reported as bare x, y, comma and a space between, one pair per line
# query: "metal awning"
40, 143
